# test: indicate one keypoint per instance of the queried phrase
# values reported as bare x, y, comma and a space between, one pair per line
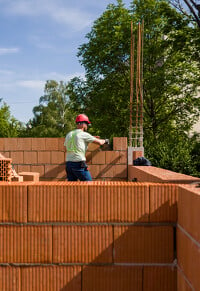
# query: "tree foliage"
52, 117
171, 71
9, 126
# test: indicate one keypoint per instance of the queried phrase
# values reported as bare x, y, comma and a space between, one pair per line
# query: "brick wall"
188, 238
47, 157
88, 236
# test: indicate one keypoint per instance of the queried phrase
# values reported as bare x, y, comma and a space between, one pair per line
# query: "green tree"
52, 117
9, 126
170, 73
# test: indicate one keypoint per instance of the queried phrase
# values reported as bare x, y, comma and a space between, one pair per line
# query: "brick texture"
189, 210
118, 202
160, 278
120, 143
38, 144
44, 157
51, 144
57, 157
143, 244
188, 254
17, 157
163, 202
116, 278
182, 284
157, 175
51, 278
13, 203
30, 157
59, 202
25, 244
82, 244
10, 279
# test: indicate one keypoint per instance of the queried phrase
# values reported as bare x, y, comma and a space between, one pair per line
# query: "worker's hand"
97, 136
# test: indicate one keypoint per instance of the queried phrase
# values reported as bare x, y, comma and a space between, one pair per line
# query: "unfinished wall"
47, 156
88, 236
188, 238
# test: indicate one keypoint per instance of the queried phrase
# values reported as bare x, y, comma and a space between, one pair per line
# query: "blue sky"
39, 42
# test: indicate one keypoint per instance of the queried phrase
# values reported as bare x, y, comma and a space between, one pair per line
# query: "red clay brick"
13, 203
38, 169
30, 176
163, 202
6, 154
120, 143
24, 168
38, 144
30, 157
10, 144
189, 210
120, 171
106, 171
88, 156
60, 202
51, 171
61, 146
93, 147
57, 157
157, 175
182, 284
44, 157
188, 254
61, 172
10, 278
25, 244
107, 278
17, 157
94, 170
51, 278
123, 157
82, 244
112, 157
2, 148
160, 278
51, 144
98, 158
24, 144
118, 202
143, 244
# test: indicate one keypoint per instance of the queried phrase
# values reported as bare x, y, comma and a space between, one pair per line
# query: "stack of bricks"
88, 236
158, 175
46, 156
5, 169
188, 238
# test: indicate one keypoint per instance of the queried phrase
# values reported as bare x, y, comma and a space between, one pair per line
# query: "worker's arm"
99, 141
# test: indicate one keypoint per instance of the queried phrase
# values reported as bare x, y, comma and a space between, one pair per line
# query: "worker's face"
85, 126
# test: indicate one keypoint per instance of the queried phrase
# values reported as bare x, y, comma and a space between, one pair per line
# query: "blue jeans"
77, 171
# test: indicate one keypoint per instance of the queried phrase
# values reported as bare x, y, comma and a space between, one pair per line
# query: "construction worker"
76, 143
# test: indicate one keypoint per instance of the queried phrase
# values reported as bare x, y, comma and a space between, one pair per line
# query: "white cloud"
32, 84
59, 11
6, 72
62, 77
4, 51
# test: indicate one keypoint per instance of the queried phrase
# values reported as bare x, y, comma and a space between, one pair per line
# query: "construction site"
133, 227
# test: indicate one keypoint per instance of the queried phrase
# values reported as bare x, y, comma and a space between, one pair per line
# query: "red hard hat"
82, 118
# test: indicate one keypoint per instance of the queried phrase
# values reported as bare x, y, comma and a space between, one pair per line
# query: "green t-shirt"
76, 143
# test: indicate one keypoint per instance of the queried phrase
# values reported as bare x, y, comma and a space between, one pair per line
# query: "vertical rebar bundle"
136, 130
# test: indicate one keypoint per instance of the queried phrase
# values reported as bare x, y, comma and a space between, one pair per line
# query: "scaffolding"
136, 86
